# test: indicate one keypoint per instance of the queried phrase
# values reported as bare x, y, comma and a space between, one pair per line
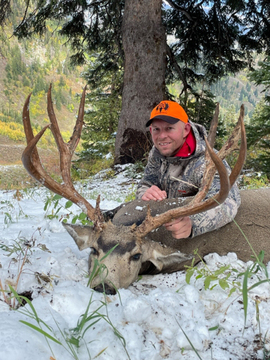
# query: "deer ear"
164, 259
82, 235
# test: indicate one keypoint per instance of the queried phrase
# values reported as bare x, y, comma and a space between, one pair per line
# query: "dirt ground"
12, 173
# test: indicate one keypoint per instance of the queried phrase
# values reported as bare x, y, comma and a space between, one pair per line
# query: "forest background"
29, 65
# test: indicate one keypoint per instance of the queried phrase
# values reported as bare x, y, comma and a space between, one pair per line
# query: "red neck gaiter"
188, 147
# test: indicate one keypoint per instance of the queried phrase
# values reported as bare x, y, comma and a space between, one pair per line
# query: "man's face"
169, 138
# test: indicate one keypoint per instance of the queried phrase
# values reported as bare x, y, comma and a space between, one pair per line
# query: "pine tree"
101, 120
211, 39
258, 133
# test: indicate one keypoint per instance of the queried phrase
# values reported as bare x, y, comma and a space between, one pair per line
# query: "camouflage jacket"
183, 176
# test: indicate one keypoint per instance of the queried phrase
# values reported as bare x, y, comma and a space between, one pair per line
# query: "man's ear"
187, 129
150, 129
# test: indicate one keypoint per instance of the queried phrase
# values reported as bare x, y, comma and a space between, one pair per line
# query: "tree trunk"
144, 43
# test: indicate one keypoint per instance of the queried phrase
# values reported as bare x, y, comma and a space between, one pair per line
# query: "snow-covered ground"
158, 317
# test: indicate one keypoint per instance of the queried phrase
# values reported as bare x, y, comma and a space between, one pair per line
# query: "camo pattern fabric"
183, 177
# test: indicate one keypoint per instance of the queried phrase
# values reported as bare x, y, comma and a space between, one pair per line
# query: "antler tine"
243, 149
63, 148
76, 135
27, 126
66, 150
31, 161
30, 157
213, 128
230, 145
29, 136
36, 170
209, 165
26, 120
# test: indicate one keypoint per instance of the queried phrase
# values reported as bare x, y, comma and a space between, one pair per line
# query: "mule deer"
138, 248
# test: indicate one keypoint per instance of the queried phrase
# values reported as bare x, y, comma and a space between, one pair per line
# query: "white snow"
139, 208
154, 316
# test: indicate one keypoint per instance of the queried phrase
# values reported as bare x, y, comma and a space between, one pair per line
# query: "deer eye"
94, 251
136, 257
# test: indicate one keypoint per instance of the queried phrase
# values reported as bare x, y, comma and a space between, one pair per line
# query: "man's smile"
164, 143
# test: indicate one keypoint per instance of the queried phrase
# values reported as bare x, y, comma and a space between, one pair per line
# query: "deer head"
125, 251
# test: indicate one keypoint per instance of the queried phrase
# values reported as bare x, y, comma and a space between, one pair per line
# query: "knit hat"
169, 111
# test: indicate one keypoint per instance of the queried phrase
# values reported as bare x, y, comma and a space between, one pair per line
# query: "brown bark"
144, 44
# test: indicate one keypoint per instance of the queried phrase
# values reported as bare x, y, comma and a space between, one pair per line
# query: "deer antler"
32, 163
230, 145
213, 162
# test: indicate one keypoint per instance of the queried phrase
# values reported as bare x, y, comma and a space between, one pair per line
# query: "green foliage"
29, 66
15, 67
40, 85
258, 132
225, 277
254, 181
200, 106
102, 33
18, 247
204, 33
190, 342
210, 54
71, 339
132, 195
12, 213
83, 168
228, 91
230, 279
53, 207
5, 10
135, 171
41, 326
100, 270
33, 77
101, 119
261, 75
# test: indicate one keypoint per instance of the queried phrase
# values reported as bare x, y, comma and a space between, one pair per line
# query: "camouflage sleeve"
219, 216
151, 175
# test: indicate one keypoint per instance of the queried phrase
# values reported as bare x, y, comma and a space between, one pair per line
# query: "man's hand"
180, 228
154, 193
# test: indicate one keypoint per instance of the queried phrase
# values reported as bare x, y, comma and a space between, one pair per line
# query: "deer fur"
159, 252
251, 221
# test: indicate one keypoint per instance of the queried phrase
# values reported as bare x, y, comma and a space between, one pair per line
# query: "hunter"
175, 168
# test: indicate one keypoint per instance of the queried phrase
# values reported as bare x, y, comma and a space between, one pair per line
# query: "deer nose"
105, 288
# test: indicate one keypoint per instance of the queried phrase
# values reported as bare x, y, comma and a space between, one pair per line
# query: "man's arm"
148, 190
150, 184
217, 217
222, 214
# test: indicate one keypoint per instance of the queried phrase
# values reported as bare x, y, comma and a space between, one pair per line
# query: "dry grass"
12, 173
